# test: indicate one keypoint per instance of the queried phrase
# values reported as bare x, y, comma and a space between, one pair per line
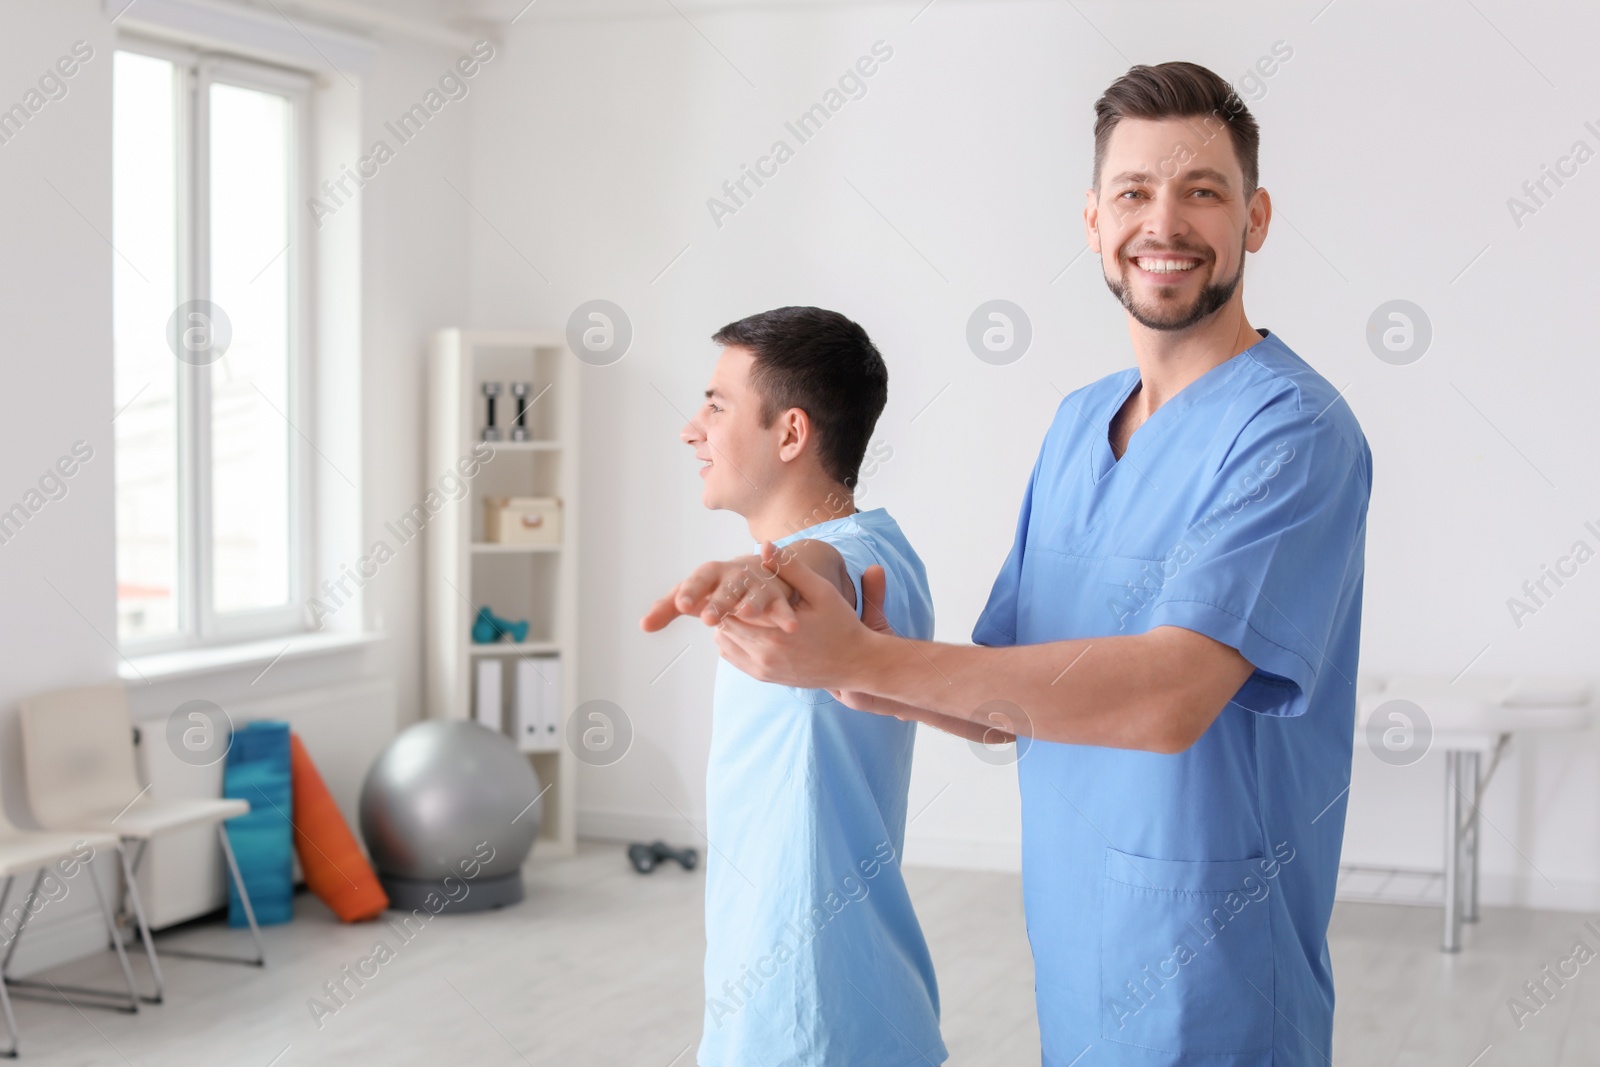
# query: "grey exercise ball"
445, 813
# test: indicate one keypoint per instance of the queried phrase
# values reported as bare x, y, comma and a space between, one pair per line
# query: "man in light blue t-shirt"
814, 957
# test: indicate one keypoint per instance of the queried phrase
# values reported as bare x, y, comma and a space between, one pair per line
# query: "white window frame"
199, 624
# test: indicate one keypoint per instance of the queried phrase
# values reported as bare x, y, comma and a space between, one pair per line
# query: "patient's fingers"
661, 613
726, 596
751, 591
694, 590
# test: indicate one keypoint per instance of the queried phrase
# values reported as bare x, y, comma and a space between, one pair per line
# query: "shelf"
535, 583
504, 648
493, 548
524, 446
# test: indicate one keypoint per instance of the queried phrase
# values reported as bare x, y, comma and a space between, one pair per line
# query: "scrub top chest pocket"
1075, 596
1186, 955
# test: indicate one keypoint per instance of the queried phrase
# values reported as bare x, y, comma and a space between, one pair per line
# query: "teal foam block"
263, 841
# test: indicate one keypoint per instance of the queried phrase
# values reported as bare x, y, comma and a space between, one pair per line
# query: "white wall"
414, 263
1392, 139
589, 147
55, 353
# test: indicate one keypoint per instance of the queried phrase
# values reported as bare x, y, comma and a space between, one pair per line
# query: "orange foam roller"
336, 870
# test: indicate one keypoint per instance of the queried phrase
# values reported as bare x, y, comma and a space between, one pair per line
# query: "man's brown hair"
821, 362
1179, 90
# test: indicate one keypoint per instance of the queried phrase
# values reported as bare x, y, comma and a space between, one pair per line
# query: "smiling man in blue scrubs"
1173, 638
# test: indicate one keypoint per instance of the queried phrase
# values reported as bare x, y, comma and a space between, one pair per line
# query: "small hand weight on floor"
645, 858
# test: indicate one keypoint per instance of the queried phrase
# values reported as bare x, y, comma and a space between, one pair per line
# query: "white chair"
22, 851
77, 751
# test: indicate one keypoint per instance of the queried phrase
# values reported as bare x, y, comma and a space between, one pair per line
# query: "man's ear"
1091, 220
796, 431
1260, 217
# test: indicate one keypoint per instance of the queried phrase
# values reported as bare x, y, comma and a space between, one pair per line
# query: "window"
208, 161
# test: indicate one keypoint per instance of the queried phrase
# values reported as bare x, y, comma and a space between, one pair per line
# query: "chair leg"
30, 987
27, 911
116, 942
1451, 941
1469, 850
144, 927
11, 1023
244, 894
5, 996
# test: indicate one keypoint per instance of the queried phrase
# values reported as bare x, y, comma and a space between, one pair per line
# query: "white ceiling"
458, 16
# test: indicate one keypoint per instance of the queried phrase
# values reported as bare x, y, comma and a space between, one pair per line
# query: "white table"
1470, 719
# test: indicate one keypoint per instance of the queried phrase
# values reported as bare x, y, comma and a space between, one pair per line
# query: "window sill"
194, 661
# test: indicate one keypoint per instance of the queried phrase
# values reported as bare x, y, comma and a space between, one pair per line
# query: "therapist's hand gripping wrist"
827, 648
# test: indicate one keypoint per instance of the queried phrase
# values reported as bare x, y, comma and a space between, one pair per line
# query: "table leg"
1469, 837
1452, 853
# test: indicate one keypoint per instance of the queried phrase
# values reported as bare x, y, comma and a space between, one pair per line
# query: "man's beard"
1211, 298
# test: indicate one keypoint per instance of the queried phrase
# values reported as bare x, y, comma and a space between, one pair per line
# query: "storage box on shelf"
504, 539
511, 522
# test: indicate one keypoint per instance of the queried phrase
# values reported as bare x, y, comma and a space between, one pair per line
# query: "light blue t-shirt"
814, 957
1178, 905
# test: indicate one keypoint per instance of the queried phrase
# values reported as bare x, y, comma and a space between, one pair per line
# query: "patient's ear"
795, 431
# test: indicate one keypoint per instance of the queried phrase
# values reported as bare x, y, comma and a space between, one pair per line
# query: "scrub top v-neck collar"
1102, 458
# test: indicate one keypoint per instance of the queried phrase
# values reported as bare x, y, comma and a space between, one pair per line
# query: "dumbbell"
520, 390
488, 628
491, 432
645, 858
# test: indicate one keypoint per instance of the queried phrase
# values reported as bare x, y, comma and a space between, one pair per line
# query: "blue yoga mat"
263, 841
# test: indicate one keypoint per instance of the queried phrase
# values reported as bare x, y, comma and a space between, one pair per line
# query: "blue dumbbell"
489, 628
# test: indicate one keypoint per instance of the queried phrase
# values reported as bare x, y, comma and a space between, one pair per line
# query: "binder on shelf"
487, 706
538, 701
550, 708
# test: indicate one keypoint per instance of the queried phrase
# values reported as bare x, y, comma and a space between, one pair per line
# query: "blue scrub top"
1178, 905
814, 957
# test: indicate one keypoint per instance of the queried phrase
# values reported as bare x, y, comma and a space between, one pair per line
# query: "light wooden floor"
601, 967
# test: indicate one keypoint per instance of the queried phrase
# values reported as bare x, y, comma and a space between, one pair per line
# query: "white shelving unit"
538, 583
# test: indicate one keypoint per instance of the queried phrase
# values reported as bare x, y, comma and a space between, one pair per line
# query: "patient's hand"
746, 588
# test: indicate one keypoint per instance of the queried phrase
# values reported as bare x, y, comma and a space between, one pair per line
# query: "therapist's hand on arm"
1157, 691
873, 593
